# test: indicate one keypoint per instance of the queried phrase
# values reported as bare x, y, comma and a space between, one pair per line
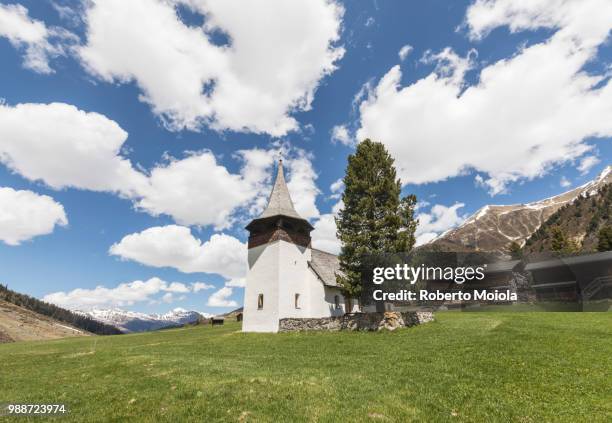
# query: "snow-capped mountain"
131, 321
494, 227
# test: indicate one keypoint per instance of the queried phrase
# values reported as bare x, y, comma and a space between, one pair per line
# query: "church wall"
293, 279
262, 278
330, 300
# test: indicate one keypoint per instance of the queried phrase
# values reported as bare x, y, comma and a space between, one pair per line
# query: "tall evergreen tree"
374, 219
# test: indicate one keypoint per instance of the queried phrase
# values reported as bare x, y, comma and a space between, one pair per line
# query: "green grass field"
525, 367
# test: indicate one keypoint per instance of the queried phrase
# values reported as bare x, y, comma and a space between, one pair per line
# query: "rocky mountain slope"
20, 324
575, 227
130, 321
493, 228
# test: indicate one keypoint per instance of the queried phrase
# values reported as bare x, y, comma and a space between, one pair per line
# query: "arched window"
337, 302
297, 300
260, 301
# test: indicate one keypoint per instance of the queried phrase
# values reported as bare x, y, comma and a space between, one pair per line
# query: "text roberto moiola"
411, 275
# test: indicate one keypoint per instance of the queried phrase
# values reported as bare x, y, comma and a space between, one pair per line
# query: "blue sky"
491, 104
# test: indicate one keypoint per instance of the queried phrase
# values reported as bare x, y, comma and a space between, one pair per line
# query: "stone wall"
389, 320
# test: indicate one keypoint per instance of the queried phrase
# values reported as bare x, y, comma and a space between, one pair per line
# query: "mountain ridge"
494, 227
132, 321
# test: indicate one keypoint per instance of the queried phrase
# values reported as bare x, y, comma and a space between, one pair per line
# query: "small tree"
515, 251
374, 220
604, 239
558, 242
561, 244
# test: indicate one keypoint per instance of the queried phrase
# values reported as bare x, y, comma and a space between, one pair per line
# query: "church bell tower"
278, 253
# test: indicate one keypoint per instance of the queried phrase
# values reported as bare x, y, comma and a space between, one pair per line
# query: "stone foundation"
389, 320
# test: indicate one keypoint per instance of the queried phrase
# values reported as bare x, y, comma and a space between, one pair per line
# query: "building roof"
569, 261
279, 203
325, 266
502, 266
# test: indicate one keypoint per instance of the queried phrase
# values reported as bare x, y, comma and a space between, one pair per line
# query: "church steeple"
279, 203
279, 220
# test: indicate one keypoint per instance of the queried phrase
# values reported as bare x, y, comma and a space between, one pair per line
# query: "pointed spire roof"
280, 202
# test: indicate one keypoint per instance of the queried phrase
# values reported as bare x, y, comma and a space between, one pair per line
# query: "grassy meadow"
524, 367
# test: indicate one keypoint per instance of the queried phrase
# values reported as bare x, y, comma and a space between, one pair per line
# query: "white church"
287, 278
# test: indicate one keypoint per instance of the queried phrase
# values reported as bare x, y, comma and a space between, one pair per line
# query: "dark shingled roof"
325, 266
279, 203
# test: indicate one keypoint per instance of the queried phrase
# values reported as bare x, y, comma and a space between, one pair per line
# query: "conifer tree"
515, 250
374, 219
561, 243
604, 239
559, 240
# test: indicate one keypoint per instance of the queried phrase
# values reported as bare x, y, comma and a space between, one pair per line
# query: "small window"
337, 302
260, 301
297, 300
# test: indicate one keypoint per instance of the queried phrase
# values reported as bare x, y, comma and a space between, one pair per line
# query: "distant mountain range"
131, 321
493, 228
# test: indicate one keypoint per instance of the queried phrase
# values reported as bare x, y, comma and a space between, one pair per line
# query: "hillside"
471, 367
578, 223
494, 227
20, 324
56, 313
232, 315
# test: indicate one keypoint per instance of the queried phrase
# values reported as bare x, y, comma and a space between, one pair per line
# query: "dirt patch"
4, 338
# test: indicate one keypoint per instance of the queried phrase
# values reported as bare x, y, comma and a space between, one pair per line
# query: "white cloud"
195, 191
66, 147
167, 298
175, 246
236, 283
124, 294
337, 187
277, 54
178, 287
587, 164
69, 148
324, 234
585, 19
200, 286
404, 52
439, 220
221, 298
550, 105
425, 238
341, 134
564, 182
302, 185
325, 229
38, 42
25, 214
421, 205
